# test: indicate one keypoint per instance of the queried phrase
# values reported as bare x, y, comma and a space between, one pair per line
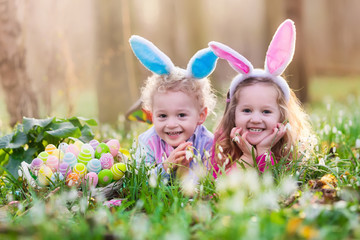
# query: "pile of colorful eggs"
95, 163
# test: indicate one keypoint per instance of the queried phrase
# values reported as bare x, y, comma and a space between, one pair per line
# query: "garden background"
72, 59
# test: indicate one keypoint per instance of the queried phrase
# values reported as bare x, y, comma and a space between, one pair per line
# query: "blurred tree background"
65, 58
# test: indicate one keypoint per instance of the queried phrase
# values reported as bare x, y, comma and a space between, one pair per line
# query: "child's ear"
202, 115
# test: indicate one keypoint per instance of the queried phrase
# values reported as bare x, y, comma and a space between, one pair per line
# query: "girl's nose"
255, 118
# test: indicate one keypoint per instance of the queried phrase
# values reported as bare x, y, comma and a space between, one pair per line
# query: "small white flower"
236, 139
207, 154
152, 180
168, 171
188, 154
20, 173
227, 161
287, 127
219, 156
357, 143
221, 149
321, 162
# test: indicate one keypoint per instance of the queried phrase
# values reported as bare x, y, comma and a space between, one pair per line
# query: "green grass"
283, 203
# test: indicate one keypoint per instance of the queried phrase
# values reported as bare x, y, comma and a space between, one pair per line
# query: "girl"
179, 101
262, 115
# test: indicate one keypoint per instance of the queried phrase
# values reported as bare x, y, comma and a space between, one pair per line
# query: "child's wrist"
261, 150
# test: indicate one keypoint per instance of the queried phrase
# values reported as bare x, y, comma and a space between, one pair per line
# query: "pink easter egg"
53, 163
107, 160
92, 178
114, 146
73, 149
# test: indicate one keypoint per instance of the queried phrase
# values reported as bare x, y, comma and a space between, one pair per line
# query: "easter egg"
70, 159
50, 148
94, 143
92, 178
53, 163
88, 147
105, 177
94, 165
56, 177
45, 174
84, 156
107, 160
43, 156
63, 146
64, 168
72, 180
80, 169
35, 165
73, 149
101, 149
118, 170
114, 146
59, 154
78, 144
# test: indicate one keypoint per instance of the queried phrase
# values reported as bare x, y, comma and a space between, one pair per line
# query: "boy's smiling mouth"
173, 133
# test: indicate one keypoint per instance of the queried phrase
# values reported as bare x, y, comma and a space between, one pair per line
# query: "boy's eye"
162, 115
182, 115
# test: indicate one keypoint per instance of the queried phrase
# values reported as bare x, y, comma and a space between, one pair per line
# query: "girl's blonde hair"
291, 112
178, 81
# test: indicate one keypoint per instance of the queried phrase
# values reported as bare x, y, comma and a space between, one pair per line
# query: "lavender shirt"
155, 150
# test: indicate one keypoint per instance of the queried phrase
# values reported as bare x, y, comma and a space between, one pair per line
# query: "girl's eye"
266, 111
246, 110
162, 115
182, 115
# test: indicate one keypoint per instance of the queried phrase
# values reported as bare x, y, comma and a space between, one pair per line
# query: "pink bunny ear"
236, 60
281, 48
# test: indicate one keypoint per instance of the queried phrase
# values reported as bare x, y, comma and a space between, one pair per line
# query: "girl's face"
176, 116
257, 111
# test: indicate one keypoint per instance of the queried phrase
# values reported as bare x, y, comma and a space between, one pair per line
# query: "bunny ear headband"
200, 65
278, 57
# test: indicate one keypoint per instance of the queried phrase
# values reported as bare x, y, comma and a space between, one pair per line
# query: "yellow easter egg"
118, 170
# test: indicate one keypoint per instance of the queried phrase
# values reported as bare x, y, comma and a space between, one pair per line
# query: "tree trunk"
19, 97
114, 92
298, 71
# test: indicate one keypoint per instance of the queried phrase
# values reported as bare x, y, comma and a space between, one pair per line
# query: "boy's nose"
172, 123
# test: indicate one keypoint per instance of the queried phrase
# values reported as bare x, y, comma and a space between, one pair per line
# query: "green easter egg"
101, 149
105, 177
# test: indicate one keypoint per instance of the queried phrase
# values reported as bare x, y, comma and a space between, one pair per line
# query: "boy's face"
257, 112
176, 116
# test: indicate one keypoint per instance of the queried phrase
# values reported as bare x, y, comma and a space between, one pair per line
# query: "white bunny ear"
150, 56
236, 60
202, 64
281, 49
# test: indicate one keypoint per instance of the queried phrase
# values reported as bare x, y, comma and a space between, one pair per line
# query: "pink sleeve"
261, 161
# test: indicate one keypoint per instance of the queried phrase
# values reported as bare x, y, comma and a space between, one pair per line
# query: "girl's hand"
243, 144
269, 141
178, 157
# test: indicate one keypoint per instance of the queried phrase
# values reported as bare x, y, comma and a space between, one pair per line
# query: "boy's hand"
178, 157
243, 144
269, 141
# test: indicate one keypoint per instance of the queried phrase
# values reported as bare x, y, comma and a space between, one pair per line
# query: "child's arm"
268, 142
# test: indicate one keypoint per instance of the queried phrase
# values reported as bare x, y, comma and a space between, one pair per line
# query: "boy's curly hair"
178, 81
